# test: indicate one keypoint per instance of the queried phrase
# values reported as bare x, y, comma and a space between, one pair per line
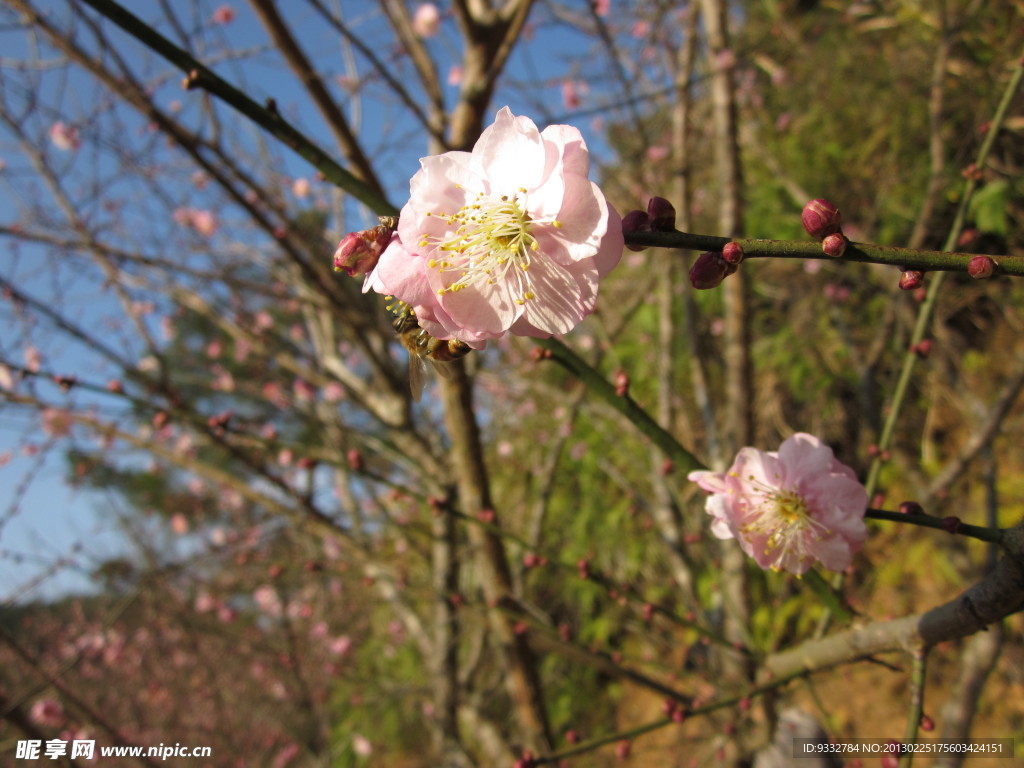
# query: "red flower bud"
622, 749
583, 568
709, 270
911, 279
911, 508
820, 218
636, 221
952, 524
358, 252
732, 253
834, 245
355, 460
927, 724
662, 215
981, 267
621, 383
923, 348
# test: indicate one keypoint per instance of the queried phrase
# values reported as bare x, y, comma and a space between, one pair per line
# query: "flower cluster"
509, 238
789, 508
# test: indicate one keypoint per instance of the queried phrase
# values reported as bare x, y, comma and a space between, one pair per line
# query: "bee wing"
443, 368
417, 376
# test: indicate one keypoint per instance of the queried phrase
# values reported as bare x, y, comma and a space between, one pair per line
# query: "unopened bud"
911, 280
923, 348
820, 218
622, 749
927, 724
583, 568
662, 215
621, 383
911, 508
981, 267
732, 253
834, 245
636, 221
709, 270
354, 458
358, 252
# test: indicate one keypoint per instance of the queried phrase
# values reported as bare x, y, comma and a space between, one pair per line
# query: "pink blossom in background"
203, 222
6, 379
333, 392
224, 14
263, 321
301, 188
340, 646
179, 524
267, 600
602, 7
205, 602
47, 712
455, 75
641, 29
789, 508
286, 755
56, 422
33, 359
570, 95
426, 22
361, 745
65, 137
657, 153
509, 238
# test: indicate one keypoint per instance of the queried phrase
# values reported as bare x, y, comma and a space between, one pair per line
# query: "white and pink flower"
509, 238
65, 137
426, 22
789, 508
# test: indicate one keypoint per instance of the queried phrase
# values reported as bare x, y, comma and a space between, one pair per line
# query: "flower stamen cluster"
490, 238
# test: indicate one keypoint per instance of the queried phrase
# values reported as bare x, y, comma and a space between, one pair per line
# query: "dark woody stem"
901, 258
951, 525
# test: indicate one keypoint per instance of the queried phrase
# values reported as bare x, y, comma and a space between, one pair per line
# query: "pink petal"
511, 153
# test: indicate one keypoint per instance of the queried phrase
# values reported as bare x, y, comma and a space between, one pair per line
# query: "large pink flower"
789, 508
511, 237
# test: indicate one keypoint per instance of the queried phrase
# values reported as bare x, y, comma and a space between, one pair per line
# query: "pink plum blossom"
426, 22
57, 422
47, 712
224, 14
789, 508
511, 237
570, 95
301, 188
65, 137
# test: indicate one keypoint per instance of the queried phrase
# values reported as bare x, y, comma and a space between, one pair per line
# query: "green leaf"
988, 207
